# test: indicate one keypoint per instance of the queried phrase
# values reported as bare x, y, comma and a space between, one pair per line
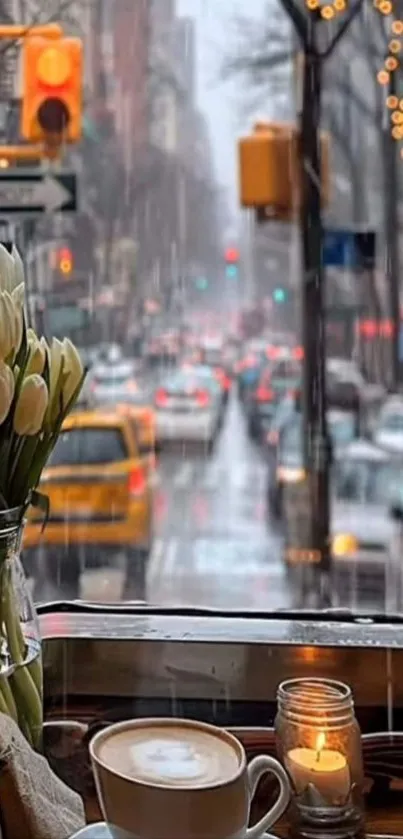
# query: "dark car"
277, 380
288, 467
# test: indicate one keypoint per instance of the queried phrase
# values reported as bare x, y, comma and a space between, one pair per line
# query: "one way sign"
31, 193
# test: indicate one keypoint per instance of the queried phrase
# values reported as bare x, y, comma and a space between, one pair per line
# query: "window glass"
89, 446
221, 327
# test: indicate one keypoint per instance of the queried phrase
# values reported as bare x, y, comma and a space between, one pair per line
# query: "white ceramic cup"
210, 801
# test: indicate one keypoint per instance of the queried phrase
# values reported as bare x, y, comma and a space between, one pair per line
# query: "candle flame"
320, 742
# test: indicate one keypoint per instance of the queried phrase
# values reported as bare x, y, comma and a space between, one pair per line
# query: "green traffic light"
201, 283
279, 295
231, 272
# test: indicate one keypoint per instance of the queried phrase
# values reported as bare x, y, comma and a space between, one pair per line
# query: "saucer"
100, 830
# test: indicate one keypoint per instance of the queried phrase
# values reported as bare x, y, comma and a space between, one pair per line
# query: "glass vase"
21, 691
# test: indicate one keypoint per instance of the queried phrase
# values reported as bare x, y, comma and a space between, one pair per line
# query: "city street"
212, 546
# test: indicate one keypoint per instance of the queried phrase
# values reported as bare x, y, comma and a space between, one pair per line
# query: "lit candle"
325, 769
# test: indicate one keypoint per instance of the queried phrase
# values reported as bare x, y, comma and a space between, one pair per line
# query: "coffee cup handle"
256, 769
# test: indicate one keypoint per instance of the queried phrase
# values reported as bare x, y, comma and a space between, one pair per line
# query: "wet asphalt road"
213, 546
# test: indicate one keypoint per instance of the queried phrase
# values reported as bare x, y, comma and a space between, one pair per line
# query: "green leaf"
46, 371
22, 352
41, 502
20, 483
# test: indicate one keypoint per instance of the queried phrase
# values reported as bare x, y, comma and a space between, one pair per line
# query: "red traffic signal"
63, 261
232, 255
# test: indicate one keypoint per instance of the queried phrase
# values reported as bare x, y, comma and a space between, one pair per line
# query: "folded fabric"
34, 802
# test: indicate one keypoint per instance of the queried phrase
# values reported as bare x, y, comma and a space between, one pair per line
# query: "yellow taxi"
144, 416
100, 488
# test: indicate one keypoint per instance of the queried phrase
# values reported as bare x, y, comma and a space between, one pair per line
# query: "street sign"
354, 249
31, 193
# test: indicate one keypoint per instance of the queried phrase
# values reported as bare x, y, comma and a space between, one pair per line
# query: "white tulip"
8, 278
18, 295
73, 370
37, 356
11, 326
6, 390
31, 406
56, 363
19, 273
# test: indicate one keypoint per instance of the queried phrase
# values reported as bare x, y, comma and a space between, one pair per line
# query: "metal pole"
316, 440
392, 238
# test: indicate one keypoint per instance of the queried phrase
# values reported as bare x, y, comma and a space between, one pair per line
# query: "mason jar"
318, 741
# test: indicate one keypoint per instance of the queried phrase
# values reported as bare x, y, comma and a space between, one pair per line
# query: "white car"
111, 383
367, 483
388, 431
187, 409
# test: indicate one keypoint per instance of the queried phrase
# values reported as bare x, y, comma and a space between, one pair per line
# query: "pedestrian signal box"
52, 80
269, 170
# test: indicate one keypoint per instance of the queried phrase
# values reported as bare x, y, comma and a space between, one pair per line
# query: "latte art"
171, 757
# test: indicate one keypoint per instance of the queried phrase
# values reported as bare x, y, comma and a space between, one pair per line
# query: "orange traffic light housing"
269, 170
52, 78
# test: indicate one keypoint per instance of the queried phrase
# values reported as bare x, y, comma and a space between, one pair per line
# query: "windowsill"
125, 655
76, 620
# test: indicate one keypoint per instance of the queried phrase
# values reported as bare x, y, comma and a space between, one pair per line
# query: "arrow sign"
33, 193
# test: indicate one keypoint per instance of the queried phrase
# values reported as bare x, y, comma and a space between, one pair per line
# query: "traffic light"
62, 261
201, 283
269, 171
231, 263
279, 295
52, 74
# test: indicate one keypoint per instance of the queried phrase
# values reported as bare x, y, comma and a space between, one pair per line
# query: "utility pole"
392, 268
316, 438
317, 453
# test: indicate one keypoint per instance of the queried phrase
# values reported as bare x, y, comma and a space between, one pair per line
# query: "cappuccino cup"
179, 779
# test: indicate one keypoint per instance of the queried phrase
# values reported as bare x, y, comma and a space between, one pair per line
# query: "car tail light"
264, 394
137, 481
222, 378
272, 352
202, 398
298, 353
161, 398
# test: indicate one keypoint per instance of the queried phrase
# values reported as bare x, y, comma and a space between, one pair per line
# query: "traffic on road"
180, 479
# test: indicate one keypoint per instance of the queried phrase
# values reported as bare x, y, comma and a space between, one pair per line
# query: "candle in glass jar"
325, 769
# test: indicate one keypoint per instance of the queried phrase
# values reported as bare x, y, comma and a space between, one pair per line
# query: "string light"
385, 7
327, 12
330, 8
391, 63
397, 27
397, 117
392, 102
397, 132
383, 77
395, 45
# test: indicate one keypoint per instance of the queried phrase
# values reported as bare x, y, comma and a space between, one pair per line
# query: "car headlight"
344, 544
289, 475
